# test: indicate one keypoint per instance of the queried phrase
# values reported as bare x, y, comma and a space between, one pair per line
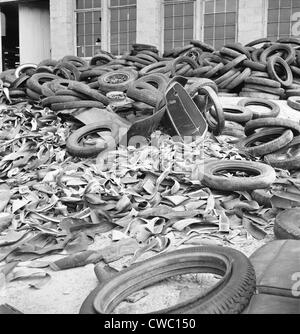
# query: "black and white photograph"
149, 160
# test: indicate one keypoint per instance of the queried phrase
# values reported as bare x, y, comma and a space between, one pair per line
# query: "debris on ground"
188, 170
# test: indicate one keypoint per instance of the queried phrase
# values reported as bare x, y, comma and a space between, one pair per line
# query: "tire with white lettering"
231, 295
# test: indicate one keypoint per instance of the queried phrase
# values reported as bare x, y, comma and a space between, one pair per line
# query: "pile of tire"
274, 139
259, 69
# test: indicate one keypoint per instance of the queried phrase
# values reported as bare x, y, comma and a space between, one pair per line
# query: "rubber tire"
34, 82
236, 114
258, 41
287, 228
238, 48
269, 51
292, 92
230, 296
73, 143
274, 108
294, 102
225, 77
73, 70
263, 82
284, 138
254, 93
240, 79
265, 89
233, 64
48, 101
255, 66
33, 95
273, 74
144, 92
76, 105
93, 94
215, 124
266, 176
22, 69
107, 86
233, 129
254, 125
159, 79
204, 46
288, 163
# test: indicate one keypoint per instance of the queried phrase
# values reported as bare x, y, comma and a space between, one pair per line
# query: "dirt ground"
66, 291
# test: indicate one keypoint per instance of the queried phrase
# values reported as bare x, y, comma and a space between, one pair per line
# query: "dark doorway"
10, 36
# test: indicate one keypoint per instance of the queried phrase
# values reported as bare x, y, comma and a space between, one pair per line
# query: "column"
34, 31
150, 22
62, 23
252, 20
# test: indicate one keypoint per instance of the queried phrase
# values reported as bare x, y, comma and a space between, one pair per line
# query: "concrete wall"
252, 20
62, 22
34, 32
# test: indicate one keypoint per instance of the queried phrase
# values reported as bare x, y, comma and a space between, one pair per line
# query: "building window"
122, 25
88, 25
281, 20
220, 22
178, 23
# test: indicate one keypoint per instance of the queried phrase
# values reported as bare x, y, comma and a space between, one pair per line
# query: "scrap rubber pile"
57, 196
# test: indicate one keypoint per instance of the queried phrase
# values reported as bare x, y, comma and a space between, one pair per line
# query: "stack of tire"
271, 138
259, 69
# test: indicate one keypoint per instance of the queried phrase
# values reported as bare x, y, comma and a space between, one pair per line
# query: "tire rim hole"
233, 172
169, 293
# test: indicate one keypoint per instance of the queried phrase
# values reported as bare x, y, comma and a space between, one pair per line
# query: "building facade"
34, 30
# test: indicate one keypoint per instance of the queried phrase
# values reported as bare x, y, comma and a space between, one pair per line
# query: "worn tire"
290, 58
294, 102
236, 114
37, 80
216, 124
265, 89
254, 125
93, 94
230, 296
284, 158
76, 105
254, 93
258, 41
48, 101
283, 138
73, 143
263, 82
272, 62
107, 84
287, 225
265, 176
274, 108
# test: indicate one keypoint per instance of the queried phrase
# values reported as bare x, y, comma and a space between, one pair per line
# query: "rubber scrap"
109, 254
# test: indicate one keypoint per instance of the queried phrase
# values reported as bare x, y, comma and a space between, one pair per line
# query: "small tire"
117, 81
254, 125
274, 108
285, 158
73, 143
264, 177
236, 114
270, 145
294, 102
